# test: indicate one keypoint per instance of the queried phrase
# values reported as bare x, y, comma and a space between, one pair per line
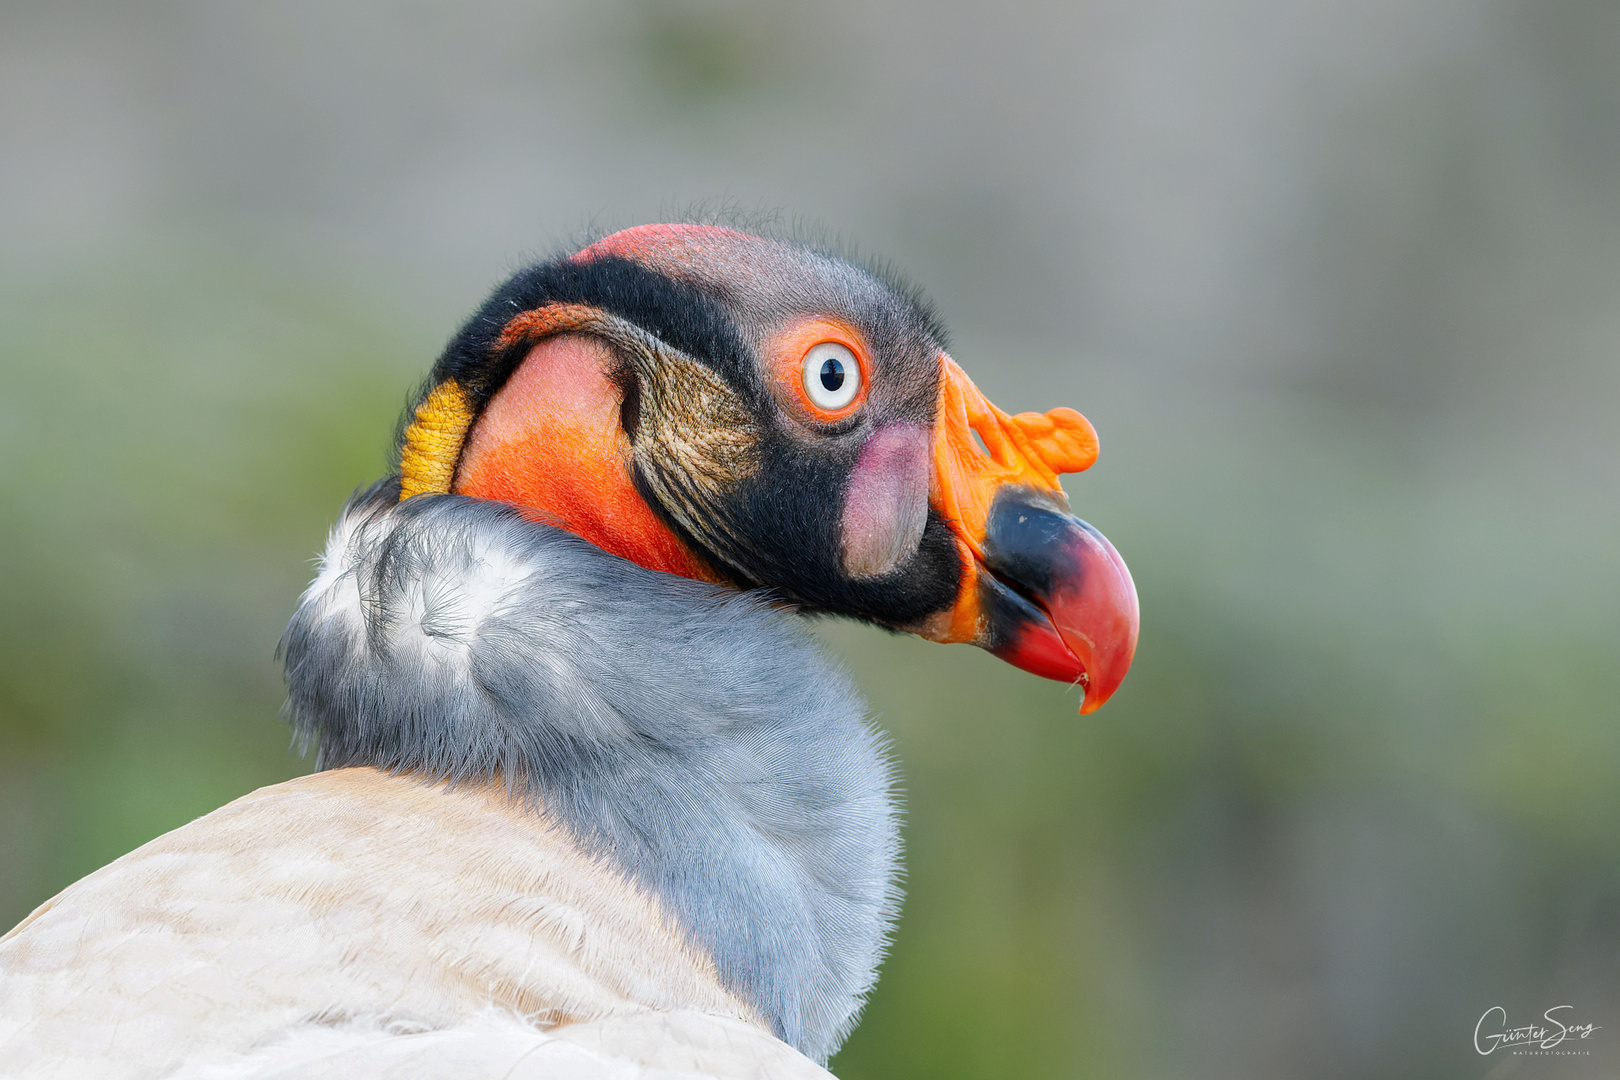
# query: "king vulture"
590, 802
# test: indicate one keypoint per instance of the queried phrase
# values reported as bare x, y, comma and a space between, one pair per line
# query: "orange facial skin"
550, 443
671, 243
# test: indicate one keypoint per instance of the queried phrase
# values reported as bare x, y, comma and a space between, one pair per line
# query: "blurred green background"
1337, 281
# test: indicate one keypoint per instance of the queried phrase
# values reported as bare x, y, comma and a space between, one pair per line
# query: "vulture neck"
689, 735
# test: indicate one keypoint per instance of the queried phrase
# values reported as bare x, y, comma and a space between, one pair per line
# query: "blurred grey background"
1337, 281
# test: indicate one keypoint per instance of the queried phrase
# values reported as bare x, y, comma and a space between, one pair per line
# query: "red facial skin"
550, 443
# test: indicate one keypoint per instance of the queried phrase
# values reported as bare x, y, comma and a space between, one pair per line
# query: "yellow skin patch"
427, 461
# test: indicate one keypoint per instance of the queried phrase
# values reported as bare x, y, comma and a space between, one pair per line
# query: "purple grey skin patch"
886, 505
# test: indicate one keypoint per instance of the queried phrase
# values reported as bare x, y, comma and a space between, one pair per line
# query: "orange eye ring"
832, 346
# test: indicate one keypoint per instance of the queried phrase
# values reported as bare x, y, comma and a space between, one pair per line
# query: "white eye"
832, 376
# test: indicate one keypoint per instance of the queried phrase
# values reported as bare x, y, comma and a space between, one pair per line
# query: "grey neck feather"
690, 734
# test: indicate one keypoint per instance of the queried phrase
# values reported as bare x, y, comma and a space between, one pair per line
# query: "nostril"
978, 441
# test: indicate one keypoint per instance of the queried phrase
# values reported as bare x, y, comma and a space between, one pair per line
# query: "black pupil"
832, 374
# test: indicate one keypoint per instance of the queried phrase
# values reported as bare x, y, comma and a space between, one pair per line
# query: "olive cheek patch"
886, 504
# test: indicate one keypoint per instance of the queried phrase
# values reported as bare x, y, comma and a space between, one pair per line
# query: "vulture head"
739, 410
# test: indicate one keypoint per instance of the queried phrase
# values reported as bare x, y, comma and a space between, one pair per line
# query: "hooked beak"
1041, 589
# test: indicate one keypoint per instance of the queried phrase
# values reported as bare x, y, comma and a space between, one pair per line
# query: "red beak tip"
1099, 622
1089, 702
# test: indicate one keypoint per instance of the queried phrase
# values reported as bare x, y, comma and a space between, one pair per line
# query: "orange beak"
1041, 589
